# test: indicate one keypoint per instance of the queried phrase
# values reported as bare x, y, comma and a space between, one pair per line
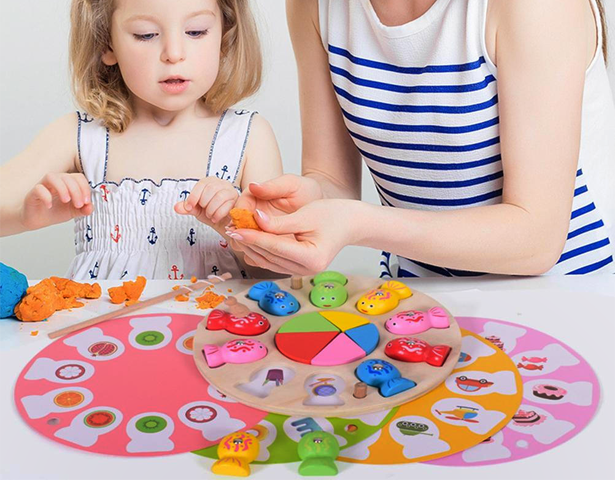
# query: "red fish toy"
250, 325
409, 349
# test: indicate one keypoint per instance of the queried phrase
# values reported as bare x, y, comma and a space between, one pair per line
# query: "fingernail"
234, 236
255, 183
187, 206
263, 215
87, 200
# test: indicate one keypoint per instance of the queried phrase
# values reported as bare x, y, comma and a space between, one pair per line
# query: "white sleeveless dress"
134, 230
420, 101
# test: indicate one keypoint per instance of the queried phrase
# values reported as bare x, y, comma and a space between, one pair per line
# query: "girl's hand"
57, 198
302, 243
210, 201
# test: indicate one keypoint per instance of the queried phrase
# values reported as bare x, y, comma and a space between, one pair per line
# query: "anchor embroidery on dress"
124, 274
215, 270
145, 193
243, 274
105, 192
190, 238
184, 195
223, 171
152, 238
118, 235
88, 234
175, 270
94, 271
86, 118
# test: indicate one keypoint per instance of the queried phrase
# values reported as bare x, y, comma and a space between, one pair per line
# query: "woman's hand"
210, 201
285, 194
301, 243
57, 198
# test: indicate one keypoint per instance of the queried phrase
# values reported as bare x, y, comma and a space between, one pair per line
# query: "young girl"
487, 126
153, 163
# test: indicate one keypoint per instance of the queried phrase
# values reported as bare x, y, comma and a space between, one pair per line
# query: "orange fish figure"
384, 299
236, 451
250, 325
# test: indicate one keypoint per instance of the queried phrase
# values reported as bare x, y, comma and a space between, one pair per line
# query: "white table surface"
578, 311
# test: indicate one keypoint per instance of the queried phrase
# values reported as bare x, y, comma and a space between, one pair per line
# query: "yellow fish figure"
236, 451
384, 299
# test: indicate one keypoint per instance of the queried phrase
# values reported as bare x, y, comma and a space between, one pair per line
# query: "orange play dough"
209, 300
53, 294
129, 292
243, 218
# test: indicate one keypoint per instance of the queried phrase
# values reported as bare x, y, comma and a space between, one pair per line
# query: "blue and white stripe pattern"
428, 126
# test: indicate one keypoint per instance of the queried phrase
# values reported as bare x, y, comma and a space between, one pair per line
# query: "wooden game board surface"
289, 398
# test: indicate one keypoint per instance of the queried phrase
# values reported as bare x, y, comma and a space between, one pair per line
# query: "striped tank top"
420, 101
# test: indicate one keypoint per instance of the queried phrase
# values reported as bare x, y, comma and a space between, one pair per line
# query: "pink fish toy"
235, 351
412, 322
249, 325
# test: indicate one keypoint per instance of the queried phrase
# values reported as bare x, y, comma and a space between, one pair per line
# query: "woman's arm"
61, 192
541, 58
328, 152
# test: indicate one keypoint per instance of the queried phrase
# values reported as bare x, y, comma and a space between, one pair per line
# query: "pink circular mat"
128, 387
560, 394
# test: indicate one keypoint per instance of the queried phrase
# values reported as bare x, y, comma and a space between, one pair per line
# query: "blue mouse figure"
273, 300
384, 376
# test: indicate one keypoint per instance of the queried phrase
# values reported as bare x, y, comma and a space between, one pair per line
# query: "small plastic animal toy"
329, 290
235, 351
318, 450
408, 349
249, 325
273, 300
383, 375
384, 299
235, 452
412, 322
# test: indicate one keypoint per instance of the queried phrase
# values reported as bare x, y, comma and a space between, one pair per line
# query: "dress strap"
93, 148
229, 144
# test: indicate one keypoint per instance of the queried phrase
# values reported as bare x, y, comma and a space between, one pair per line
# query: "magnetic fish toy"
408, 349
235, 452
235, 351
412, 322
273, 300
251, 324
384, 299
383, 375
318, 450
329, 290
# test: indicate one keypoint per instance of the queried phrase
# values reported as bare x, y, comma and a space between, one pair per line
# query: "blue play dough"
273, 300
13, 286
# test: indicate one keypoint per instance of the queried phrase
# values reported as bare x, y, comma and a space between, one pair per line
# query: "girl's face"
168, 51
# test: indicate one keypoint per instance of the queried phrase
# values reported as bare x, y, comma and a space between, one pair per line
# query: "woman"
480, 121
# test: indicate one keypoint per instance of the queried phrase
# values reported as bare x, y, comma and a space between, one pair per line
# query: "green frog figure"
329, 290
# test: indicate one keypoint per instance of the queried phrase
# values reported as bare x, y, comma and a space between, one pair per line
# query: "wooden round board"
327, 391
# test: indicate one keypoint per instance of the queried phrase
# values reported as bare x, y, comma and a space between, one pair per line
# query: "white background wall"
34, 90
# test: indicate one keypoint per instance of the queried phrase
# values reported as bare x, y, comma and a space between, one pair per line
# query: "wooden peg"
360, 390
236, 309
296, 282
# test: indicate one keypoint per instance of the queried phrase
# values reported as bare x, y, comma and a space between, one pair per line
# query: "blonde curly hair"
100, 89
